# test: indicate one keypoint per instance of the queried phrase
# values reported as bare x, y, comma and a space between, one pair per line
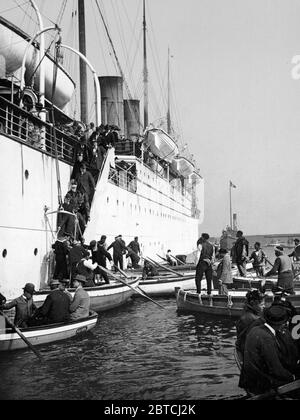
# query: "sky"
234, 100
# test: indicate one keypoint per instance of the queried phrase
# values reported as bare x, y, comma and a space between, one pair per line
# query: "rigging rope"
118, 63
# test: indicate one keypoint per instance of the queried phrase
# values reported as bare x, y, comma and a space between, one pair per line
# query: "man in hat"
80, 305
99, 256
119, 249
23, 305
263, 368
296, 252
282, 266
250, 317
55, 309
134, 251
61, 250
86, 183
77, 164
79, 205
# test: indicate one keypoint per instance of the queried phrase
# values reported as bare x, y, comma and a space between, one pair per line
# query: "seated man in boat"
80, 304
251, 316
263, 368
258, 260
282, 266
55, 309
23, 305
224, 275
171, 260
149, 270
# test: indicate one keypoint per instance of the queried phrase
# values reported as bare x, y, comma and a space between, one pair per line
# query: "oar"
137, 287
281, 390
164, 259
162, 266
178, 260
35, 351
128, 285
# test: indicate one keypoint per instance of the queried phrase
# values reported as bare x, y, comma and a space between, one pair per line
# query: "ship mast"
168, 111
82, 65
145, 70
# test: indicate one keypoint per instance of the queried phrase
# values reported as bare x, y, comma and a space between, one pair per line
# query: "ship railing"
128, 148
27, 128
124, 177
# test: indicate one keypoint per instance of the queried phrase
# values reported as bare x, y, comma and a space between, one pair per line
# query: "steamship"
145, 188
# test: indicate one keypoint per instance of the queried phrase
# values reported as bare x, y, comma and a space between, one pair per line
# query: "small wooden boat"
254, 282
164, 285
215, 304
10, 340
103, 297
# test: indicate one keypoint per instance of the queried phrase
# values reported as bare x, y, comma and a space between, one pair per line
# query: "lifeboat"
13, 43
183, 166
161, 144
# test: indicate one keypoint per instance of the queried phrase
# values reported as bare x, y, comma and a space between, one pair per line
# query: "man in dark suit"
119, 249
55, 309
263, 368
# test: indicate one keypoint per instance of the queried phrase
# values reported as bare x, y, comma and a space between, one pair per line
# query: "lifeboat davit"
13, 43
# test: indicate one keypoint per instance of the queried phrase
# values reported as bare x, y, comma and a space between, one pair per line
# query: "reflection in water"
135, 352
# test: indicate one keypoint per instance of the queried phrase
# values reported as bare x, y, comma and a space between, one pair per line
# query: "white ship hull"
159, 215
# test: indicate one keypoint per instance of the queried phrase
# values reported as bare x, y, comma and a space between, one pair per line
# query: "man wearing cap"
77, 164
263, 368
23, 305
80, 305
86, 183
119, 249
296, 253
55, 309
79, 204
282, 266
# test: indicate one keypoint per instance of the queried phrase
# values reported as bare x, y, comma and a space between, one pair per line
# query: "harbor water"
137, 351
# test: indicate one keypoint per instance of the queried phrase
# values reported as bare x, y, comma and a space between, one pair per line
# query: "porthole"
26, 173
107, 199
35, 251
4, 253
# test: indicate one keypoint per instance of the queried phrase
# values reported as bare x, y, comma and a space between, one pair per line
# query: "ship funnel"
235, 221
112, 105
132, 118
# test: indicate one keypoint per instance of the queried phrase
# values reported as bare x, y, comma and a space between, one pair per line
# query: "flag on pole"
232, 185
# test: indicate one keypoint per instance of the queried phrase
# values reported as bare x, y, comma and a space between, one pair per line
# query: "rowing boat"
215, 304
10, 340
164, 285
254, 282
103, 297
